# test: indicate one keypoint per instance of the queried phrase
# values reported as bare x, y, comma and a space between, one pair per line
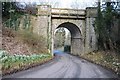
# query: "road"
65, 66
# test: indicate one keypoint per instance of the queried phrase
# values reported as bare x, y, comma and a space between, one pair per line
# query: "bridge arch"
76, 37
74, 30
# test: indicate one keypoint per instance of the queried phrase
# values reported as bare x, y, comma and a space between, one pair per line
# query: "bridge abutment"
90, 39
77, 46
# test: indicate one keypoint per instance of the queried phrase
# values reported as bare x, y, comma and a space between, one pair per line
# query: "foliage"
60, 37
99, 27
36, 42
18, 20
105, 58
8, 8
106, 21
12, 19
12, 15
18, 61
15, 21
26, 24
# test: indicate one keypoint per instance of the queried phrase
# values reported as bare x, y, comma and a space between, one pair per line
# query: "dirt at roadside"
11, 44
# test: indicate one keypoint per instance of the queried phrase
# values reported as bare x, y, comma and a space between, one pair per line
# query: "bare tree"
60, 37
54, 4
75, 4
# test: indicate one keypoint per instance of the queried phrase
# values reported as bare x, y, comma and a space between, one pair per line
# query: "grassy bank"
107, 59
14, 63
21, 50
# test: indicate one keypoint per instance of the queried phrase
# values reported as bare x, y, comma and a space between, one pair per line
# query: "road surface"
65, 66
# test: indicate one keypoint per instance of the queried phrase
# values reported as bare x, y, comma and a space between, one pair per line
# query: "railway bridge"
80, 23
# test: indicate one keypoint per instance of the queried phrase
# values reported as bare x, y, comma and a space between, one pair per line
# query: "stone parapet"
91, 12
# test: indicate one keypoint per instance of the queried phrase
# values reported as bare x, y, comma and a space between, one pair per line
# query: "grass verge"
14, 63
107, 59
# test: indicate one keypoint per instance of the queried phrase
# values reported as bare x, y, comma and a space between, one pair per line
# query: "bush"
36, 42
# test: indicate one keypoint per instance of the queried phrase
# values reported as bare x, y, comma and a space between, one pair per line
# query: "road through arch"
76, 37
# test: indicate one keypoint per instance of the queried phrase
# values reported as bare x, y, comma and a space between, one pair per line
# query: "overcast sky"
65, 3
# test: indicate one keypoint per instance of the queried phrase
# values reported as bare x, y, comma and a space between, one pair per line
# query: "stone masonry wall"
90, 38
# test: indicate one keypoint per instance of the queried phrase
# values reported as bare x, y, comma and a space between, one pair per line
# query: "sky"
81, 4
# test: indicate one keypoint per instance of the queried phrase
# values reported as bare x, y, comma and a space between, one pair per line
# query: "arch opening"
74, 30
62, 38
76, 38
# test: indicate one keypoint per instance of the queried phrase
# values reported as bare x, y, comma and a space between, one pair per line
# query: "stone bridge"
79, 22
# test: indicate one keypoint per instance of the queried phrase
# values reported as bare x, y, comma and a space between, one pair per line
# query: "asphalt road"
65, 66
